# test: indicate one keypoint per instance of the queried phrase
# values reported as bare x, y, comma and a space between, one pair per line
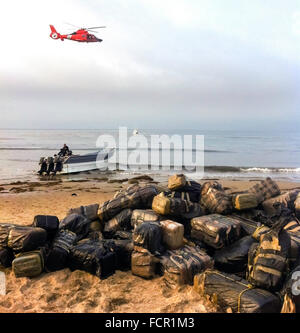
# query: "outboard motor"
43, 164
50, 164
58, 164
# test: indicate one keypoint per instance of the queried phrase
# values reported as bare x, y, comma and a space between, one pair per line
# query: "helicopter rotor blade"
75, 26
96, 27
95, 31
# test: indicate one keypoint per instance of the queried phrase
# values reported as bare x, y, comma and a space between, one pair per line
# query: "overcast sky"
178, 64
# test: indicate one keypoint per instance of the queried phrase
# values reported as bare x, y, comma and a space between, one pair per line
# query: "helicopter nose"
100, 40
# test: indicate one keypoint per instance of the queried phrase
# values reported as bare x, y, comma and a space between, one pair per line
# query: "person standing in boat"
64, 151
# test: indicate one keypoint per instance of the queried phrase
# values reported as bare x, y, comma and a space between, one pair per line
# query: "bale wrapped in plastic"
90, 211
290, 292
172, 234
191, 190
176, 181
4, 231
60, 249
214, 198
29, 264
121, 221
24, 239
149, 237
138, 197
123, 250
268, 260
244, 201
76, 223
166, 205
216, 230
231, 291
143, 264
6, 257
234, 258
47, 222
139, 216
180, 266
278, 204
293, 231
92, 256
264, 190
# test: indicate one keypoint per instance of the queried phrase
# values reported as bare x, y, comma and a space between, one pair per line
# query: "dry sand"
66, 291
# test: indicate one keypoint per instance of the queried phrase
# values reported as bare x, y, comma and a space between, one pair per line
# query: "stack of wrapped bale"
241, 260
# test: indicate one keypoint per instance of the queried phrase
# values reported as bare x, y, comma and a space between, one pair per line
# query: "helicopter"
82, 35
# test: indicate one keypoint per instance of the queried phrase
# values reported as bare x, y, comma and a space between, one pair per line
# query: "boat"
75, 163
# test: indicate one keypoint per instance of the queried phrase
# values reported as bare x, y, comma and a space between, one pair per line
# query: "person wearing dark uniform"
64, 151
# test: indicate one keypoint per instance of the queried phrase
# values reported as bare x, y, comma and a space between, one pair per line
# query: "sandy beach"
78, 291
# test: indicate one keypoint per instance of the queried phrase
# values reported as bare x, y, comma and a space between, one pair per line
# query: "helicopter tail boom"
54, 34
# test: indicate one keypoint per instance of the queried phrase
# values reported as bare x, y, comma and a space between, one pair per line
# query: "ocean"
227, 154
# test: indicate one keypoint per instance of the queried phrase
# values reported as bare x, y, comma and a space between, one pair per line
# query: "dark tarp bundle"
123, 250
193, 210
268, 260
277, 205
76, 223
23, 239
230, 291
216, 230
141, 215
190, 191
93, 257
180, 266
264, 190
47, 222
137, 197
149, 236
59, 252
290, 292
214, 198
234, 258
248, 225
6, 257
90, 211
121, 221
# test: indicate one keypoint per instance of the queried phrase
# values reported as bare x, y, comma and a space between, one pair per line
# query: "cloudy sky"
178, 64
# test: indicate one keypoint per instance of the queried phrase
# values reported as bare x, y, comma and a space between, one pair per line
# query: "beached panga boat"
75, 163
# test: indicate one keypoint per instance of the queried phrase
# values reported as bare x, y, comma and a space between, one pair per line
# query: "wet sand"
66, 291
